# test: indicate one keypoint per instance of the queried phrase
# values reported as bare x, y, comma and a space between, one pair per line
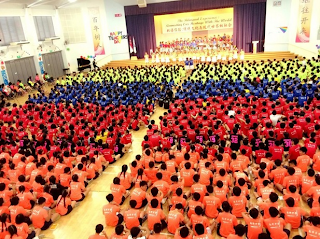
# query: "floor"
81, 222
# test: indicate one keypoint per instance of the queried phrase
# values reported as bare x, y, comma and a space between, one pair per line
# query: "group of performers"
199, 49
223, 41
197, 56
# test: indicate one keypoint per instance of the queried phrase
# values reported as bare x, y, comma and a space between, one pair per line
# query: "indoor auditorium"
155, 119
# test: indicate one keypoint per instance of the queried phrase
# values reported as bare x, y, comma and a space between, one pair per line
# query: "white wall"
286, 16
85, 49
115, 24
109, 23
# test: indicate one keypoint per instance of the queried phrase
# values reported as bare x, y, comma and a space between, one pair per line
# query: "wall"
286, 16
84, 49
33, 48
305, 49
70, 52
119, 51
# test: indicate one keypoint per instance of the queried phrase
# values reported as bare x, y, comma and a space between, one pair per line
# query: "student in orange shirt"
193, 203
23, 229
100, 233
118, 191
240, 230
206, 175
254, 223
183, 233
226, 221
133, 217
175, 218
312, 195
292, 192
139, 233
112, 213
162, 185
271, 202
198, 187
276, 225
277, 175
291, 179
293, 214
211, 204
41, 216
139, 195
178, 198
187, 174
77, 191
303, 161
156, 215
238, 202
201, 232
221, 191
120, 233
151, 172
64, 203
155, 194
157, 228
125, 178
198, 218
308, 181
312, 231
27, 199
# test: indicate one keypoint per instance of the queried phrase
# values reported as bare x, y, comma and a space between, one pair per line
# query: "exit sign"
118, 15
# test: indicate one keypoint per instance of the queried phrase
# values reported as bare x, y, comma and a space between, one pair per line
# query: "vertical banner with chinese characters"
304, 21
96, 30
4, 73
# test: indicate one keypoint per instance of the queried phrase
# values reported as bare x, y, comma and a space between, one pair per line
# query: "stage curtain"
142, 28
184, 6
249, 25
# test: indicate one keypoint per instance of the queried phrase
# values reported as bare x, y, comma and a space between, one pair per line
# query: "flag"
284, 29
134, 45
130, 44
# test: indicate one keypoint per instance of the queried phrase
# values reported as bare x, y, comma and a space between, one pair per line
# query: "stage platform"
248, 57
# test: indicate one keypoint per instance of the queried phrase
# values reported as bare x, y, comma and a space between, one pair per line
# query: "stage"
248, 57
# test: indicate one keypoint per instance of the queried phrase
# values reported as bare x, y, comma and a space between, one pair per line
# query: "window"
44, 27
11, 30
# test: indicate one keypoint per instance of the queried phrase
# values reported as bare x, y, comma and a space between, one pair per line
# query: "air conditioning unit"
142, 3
19, 43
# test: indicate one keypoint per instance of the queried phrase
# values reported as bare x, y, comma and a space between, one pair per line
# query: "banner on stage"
96, 30
198, 21
304, 21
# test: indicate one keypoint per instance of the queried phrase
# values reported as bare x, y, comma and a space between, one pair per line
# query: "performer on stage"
146, 58
241, 55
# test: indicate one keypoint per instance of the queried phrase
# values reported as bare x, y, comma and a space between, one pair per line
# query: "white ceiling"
134, 2
61, 2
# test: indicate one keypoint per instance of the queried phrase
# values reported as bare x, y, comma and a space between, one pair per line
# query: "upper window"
44, 27
11, 30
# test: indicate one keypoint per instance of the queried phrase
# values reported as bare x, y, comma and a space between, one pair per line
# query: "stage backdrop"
193, 24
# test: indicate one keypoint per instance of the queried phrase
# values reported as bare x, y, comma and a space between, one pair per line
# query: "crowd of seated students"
117, 92
235, 166
49, 154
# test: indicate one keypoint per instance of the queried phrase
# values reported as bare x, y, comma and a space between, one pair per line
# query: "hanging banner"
4, 73
41, 63
96, 30
304, 21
